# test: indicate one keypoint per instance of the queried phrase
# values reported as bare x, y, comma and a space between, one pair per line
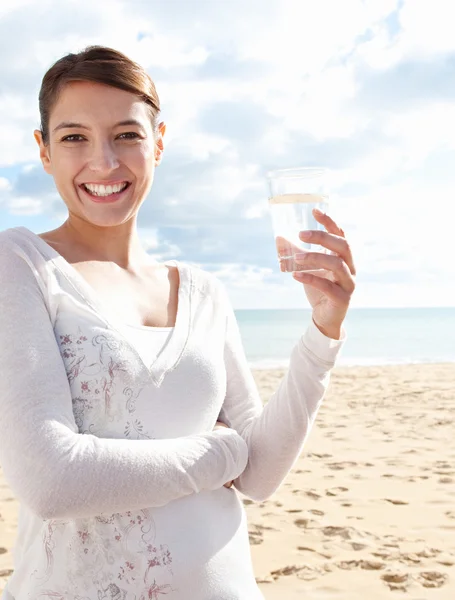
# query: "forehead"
86, 102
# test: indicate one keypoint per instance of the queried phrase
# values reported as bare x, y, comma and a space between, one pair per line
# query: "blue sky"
365, 88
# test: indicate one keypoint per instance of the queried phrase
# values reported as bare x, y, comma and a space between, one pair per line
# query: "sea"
375, 336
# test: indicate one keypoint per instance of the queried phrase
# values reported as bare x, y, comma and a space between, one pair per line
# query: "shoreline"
347, 363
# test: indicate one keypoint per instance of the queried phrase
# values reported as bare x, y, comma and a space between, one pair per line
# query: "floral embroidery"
137, 426
155, 591
95, 381
125, 572
112, 592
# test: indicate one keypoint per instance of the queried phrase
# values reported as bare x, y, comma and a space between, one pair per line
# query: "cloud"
408, 84
363, 87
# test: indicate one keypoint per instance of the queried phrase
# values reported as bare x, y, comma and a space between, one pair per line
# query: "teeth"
103, 190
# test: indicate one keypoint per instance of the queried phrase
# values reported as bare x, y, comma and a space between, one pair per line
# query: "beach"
368, 511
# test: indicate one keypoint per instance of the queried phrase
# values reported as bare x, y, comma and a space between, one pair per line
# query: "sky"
363, 88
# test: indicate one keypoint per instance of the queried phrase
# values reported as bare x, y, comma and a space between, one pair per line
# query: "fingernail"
306, 234
316, 210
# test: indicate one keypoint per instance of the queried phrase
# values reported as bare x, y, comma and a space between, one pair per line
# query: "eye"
130, 133
70, 138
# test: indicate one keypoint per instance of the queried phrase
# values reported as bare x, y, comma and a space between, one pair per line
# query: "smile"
105, 193
105, 190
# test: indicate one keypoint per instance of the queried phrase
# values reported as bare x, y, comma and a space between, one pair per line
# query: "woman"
115, 370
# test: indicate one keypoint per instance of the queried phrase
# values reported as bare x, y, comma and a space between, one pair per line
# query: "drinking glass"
293, 195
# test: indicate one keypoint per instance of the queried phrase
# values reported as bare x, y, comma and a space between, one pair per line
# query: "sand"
368, 512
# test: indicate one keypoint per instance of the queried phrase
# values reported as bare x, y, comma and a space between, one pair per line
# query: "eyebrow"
71, 125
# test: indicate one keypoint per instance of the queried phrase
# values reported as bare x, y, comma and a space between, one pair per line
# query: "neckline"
171, 354
145, 328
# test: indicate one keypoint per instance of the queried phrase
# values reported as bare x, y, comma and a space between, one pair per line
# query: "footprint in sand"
343, 532
6, 572
445, 480
294, 510
313, 495
319, 513
409, 558
256, 537
442, 464
320, 455
304, 572
384, 554
339, 466
354, 539
266, 579
368, 565
256, 534
396, 580
432, 579
305, 523
446, 562
289, 570
347, 565
428, 553
396, 502
3, 550
307, 549
336, 490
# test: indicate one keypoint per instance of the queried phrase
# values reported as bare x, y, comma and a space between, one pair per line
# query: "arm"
54, 470
275, 433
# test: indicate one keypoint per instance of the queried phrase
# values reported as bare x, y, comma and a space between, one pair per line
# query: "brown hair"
101, 65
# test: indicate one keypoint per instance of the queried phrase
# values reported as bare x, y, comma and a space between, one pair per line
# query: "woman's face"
91, 147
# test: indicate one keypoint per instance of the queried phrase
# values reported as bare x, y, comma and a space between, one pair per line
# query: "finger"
332, 242
329, 262
332, 290
229, 484
328, 222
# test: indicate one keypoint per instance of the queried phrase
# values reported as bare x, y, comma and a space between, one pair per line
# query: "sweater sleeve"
52, 468
275, 433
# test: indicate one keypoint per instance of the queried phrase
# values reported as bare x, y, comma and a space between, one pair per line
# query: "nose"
103, 158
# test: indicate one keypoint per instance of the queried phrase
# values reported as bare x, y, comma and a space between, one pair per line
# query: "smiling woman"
127, 407
100, 156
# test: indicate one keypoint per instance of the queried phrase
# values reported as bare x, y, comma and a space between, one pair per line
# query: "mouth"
107, 194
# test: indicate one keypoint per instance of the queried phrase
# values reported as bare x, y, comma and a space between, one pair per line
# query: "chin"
105, 217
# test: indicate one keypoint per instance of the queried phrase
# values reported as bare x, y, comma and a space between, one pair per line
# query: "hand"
217, 425
329, 291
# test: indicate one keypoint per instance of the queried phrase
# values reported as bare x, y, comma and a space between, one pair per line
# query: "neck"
118, 244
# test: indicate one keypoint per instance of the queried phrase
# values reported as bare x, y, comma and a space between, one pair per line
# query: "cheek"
144, 160
66, 165
147, 153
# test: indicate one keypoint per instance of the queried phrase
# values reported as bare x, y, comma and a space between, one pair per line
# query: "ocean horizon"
375, 336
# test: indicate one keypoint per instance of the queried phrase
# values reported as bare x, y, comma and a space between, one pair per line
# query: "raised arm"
51, 468
275, 433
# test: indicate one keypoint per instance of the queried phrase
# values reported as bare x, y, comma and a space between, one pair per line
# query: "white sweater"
114, 462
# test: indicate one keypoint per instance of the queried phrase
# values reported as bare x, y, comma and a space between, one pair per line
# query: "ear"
44, 151
159, 146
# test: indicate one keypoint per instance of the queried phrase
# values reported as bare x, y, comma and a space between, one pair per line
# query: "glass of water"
294, 193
